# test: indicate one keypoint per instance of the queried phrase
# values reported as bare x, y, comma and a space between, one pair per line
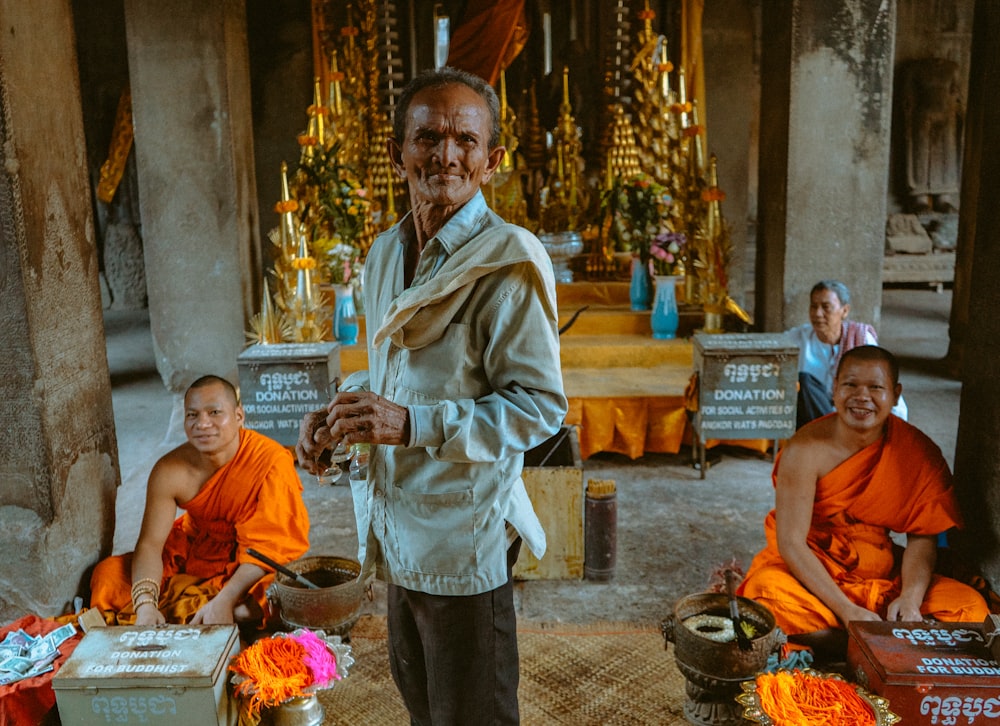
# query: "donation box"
931, 673
166, 674
281, 382
746, 387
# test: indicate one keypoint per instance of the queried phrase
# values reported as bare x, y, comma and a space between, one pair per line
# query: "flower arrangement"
288, 665
343, 260
667, 253
336, 211
639, 212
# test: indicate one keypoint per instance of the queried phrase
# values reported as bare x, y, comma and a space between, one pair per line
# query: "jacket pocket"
434, 533
445, 369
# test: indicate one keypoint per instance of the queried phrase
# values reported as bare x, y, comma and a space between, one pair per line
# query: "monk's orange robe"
900, 483
253, 501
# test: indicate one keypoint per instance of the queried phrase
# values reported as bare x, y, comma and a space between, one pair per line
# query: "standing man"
843, 483
239, 489
464, 377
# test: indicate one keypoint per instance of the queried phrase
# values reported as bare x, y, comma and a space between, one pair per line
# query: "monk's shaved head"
211, 380
871, 353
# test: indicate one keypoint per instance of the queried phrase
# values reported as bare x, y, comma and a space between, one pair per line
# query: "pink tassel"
318, 659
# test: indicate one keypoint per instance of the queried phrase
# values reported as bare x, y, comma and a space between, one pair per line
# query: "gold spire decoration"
614, 90
534, 134
345, 117
269, 326
683, 107
508, 128
623, 155
315, 133
335, 91
713, 253
380, 184
561, 201
381, 66
308, 303
505, 190
696, 150
657, 130
284, 239
286, 209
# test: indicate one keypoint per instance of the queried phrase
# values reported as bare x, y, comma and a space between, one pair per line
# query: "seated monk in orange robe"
239, 489
842, 483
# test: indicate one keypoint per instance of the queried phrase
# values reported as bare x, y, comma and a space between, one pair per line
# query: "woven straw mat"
600, 675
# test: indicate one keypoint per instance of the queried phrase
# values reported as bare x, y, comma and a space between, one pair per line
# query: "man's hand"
363, 417
314, 436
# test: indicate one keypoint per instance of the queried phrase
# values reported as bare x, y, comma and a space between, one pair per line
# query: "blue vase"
345, 315
640, 290
665, 317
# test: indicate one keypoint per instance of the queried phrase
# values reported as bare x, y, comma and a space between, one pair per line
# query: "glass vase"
640, 291
665, 316
345, 315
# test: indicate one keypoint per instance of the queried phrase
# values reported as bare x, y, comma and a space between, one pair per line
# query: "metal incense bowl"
334, 607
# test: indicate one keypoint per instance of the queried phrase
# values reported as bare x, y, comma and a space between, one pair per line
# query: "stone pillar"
826, 75
59, 466
977, 452
732, 90
190, 83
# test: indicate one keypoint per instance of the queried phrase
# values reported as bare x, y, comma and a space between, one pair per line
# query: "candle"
441, 39
547, 35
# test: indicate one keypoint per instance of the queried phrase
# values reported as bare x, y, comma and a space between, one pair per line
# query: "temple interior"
169, 167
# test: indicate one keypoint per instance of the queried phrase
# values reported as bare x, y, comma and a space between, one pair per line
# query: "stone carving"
904, 233
933, 114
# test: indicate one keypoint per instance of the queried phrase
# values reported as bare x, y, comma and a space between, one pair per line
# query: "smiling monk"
843, 483
239, 489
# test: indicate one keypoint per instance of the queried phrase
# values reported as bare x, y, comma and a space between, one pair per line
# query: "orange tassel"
799, 699
275, 671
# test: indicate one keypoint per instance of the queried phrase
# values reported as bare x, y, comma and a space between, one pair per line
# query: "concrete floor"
674, 528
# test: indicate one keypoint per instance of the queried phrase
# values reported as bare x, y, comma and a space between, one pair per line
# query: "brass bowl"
752, 710
334, 607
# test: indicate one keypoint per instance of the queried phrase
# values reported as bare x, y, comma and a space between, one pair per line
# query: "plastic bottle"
359, 462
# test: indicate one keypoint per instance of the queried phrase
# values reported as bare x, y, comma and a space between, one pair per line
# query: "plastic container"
600, 529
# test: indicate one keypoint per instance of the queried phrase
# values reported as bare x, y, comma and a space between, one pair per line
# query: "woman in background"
822, 341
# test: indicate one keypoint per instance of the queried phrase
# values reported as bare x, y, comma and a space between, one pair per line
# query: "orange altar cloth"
635, 410
629, 426
635, 426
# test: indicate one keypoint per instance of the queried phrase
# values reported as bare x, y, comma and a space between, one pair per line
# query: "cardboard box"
170, 674
553, 476
931, 673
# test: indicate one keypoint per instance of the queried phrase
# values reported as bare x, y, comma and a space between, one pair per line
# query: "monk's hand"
856, 612
314, 436
363, 417
216, 611
903, 608
148, 614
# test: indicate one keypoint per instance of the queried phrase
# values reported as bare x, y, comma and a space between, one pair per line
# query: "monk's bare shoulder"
811, 452
177, 474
